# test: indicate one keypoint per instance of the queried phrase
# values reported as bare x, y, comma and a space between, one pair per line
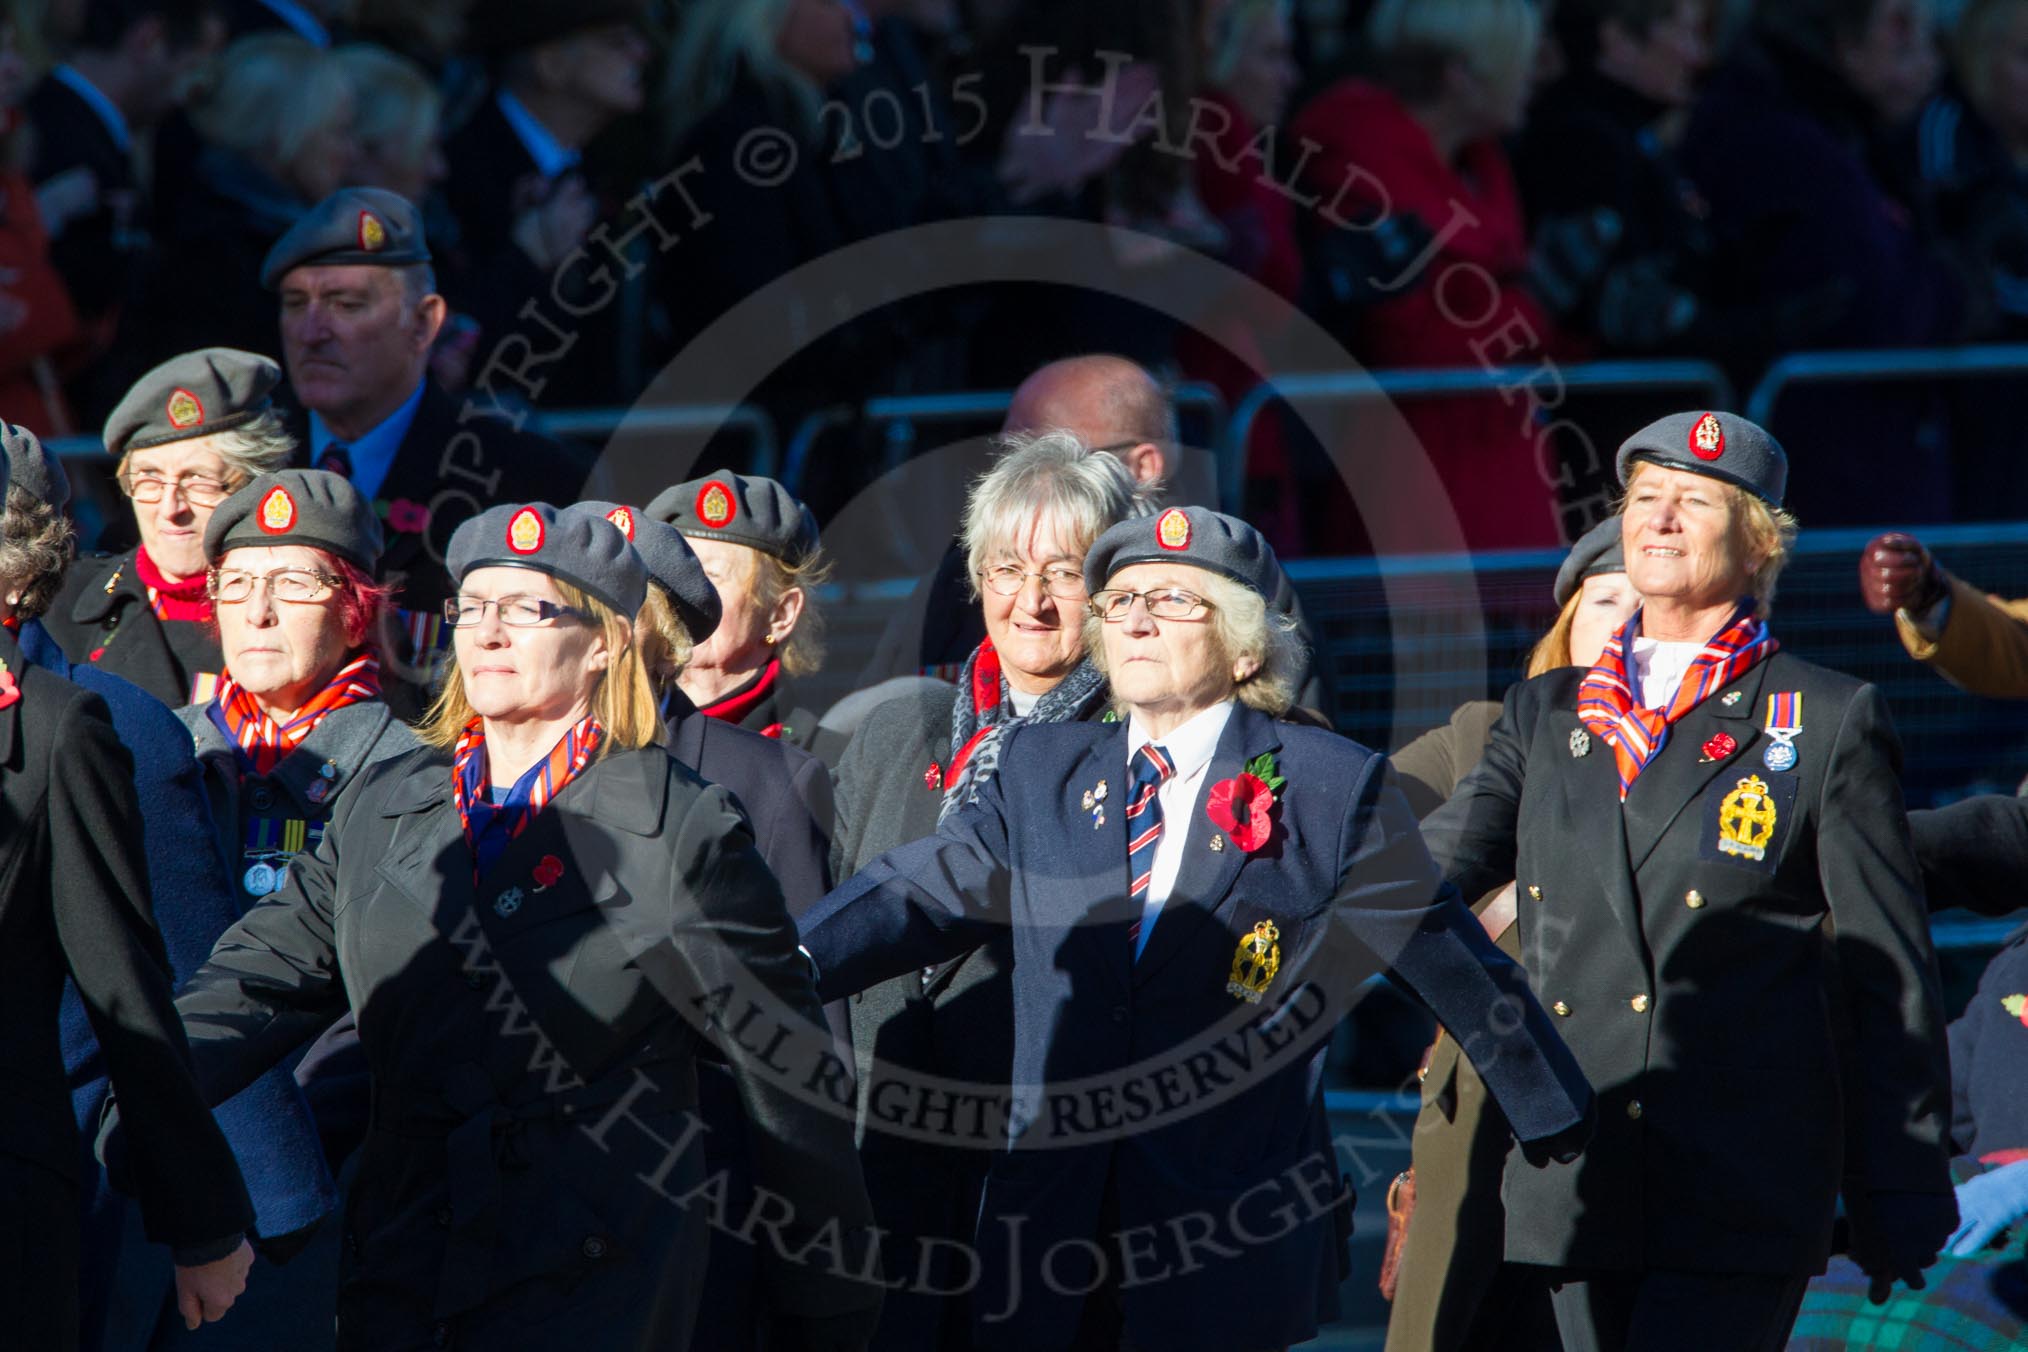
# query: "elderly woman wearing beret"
75, 904
186, 436
1028, 525
1446, 1228
1190, 876
1719, 897
531, 919
760, 549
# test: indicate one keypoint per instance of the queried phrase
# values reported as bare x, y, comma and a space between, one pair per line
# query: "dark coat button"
441, 1335
474, 980
443, 1217
262, 797
593, 1247
1121, 1014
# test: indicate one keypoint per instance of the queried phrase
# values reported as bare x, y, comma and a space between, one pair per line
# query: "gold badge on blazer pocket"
1747, 818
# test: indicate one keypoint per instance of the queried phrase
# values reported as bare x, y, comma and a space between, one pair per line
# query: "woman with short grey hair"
1028, 524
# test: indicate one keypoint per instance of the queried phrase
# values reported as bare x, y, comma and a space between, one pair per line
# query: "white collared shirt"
1189, 748
1660, 668
552, 157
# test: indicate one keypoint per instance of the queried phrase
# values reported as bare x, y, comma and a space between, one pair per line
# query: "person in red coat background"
1413, 154
36, 315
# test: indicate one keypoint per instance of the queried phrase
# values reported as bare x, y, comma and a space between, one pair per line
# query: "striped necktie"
1151, 765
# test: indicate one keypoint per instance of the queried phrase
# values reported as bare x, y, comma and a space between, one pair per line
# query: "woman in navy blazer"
1195, 892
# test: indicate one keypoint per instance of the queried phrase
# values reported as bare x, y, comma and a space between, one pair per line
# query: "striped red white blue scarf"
1608, 706
262, 742
489, 826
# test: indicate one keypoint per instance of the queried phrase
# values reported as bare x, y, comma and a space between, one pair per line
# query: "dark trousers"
1674, 1311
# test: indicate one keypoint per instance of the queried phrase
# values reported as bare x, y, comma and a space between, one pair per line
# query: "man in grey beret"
188, 434
565, 70
360, 314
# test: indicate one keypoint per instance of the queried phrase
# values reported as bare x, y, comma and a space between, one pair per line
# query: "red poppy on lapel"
1243, 806
548, 872
10, 693
1719, 747
933, 778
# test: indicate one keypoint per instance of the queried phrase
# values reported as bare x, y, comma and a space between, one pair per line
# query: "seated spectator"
1596, 140
277, 138
396, 123
130, 68
37, 318
565, 71
1249, 75
1417, 152
1779, 146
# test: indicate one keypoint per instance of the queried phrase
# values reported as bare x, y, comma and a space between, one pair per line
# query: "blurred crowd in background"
1719, 179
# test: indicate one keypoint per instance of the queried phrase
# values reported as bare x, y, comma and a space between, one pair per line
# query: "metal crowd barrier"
1359, 386
903, 417
699, 420
1884, 364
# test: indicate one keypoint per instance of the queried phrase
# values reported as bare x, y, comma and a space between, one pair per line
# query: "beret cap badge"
623, 517
1707, 438
1173, 530
372, 234
184, 410
525, 531
278, 511
715, 505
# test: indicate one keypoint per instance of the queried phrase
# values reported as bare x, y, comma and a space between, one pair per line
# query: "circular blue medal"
1779, 756
259, 880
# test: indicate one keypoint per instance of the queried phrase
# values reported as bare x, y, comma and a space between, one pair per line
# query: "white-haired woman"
1196, 869
1028, 524
530, 919
188, 434
276, 123
397, 111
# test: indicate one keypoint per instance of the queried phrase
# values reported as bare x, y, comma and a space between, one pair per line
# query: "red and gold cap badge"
185, 410
372, 234
715, 506
1172, 531
1707, 438
278, 511
526, 531
623, 517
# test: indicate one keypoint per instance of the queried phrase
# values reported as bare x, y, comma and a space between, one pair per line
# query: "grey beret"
211, 390
310, 507
1194, 535
31, 468
746, 510
671, 563
1718, 445
581, 548
1598, 553
353, 225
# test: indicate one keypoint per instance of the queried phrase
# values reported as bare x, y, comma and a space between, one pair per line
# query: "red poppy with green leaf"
1243, 806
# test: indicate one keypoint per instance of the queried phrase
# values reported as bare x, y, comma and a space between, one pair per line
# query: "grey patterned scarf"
1080, 695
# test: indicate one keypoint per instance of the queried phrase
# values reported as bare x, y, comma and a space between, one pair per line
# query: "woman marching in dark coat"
526, 918
75, 901
1719, 899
